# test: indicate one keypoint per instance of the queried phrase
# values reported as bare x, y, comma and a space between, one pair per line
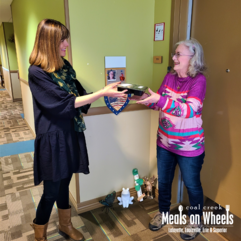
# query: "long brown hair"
46, 51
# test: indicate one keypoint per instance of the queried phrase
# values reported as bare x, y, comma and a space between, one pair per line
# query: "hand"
153, 98
110, 90
137, 98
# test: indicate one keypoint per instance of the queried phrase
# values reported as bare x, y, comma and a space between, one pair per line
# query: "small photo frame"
159, 31
113, 75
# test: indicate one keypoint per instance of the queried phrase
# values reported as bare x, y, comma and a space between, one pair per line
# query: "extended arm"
56, 101
109, 90
192, 107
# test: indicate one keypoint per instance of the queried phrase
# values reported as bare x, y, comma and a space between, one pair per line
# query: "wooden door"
216, 25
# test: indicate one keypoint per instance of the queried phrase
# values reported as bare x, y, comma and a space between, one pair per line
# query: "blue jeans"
190, 168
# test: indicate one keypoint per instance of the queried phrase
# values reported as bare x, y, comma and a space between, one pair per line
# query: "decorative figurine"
148, 186
138, 183
108, 202
125, 198
141, 197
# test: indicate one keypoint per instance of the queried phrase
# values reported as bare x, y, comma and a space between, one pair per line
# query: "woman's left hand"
153, 98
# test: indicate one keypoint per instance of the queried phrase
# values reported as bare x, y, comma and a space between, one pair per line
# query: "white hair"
197, 63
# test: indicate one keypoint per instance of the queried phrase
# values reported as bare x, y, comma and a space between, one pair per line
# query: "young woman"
180, 136
60, 148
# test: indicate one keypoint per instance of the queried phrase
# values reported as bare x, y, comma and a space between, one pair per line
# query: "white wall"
7, 81
153, 133
72, 187
116, 145
27, 105
12, 84
16, 86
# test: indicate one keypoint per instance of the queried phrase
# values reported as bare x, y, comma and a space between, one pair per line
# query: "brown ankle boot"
40, 231
66, 228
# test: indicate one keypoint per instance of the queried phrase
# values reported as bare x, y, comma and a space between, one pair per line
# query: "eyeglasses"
178, 55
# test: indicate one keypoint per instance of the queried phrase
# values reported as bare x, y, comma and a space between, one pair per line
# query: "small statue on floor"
108, 201
141, 197
138, 183
148, 186
125, 198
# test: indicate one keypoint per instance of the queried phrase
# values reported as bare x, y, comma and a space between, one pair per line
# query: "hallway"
19, 197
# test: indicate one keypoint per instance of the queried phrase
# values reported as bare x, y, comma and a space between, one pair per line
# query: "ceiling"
5, 11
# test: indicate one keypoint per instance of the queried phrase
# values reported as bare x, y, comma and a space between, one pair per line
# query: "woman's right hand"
137, 98
111, 91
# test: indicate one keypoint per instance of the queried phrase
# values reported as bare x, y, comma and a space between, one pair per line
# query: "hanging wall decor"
159, 31
115, 71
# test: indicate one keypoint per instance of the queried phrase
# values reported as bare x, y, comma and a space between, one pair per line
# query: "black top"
59, 150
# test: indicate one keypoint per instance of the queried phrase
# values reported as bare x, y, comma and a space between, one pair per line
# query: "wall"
116, 145
27, 105
16, 92
5, 62
111, 28
161, 48
26, 16
7, 81
14, 84
8, 32
8, 53
72, 188
1, 72
3, 48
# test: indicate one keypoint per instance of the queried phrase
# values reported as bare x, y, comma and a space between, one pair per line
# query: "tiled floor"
12, 126
19, 198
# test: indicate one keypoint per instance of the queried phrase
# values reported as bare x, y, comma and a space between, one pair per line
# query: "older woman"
180, 134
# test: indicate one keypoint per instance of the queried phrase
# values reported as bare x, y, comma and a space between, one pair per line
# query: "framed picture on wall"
113, 75
159, 31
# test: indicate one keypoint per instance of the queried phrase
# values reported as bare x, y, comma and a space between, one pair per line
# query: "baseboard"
17, 99
94, 203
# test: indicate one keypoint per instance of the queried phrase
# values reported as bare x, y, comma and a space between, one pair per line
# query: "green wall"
8, 31
118, 28
26, 16
161, 48
3, 49
99, 29
7, 49
111, 28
